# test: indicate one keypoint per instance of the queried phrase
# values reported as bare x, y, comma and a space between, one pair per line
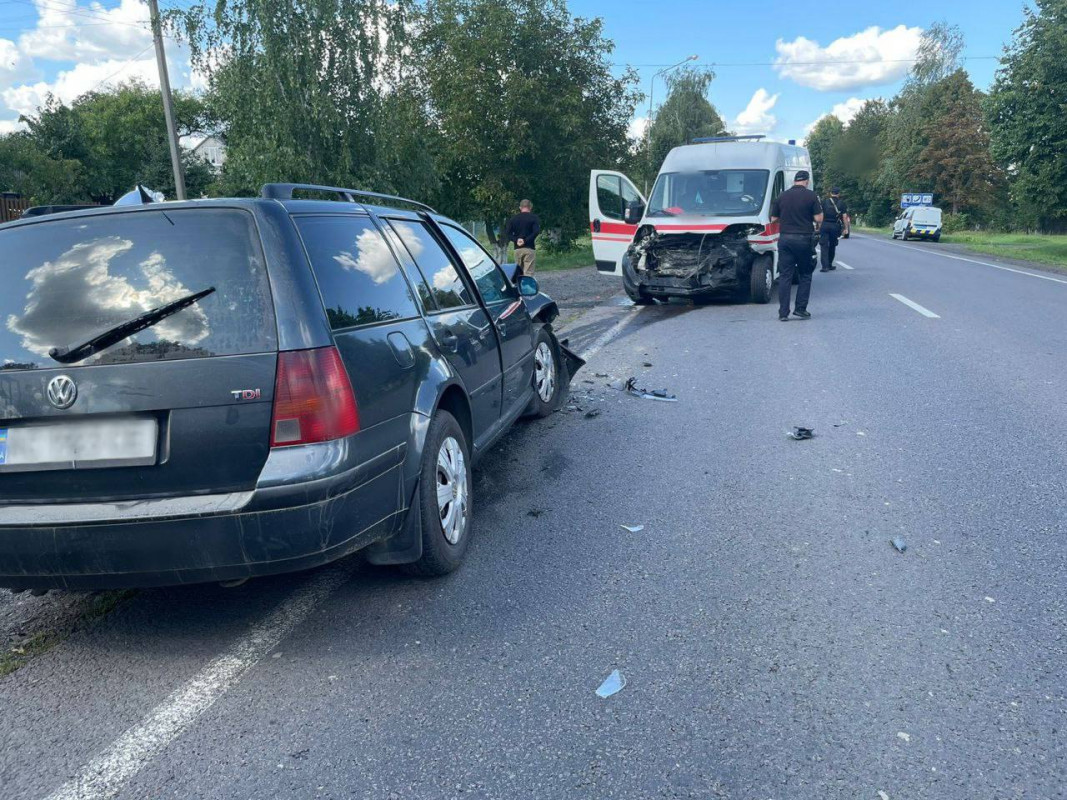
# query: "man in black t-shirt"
521, 231
799, 210
835, 222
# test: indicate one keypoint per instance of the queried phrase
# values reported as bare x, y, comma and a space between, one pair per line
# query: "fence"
12, 207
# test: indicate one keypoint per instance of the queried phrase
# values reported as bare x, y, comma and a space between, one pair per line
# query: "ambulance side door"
609, 194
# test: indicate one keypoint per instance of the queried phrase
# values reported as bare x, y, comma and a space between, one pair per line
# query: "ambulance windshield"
709, 193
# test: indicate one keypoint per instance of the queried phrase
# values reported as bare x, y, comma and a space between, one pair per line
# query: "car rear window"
66, 281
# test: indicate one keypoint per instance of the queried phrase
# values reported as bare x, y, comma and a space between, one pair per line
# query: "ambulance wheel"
761, 280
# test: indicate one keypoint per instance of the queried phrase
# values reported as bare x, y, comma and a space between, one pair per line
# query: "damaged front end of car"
690, 264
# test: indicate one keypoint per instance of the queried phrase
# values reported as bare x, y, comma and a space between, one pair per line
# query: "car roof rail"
752, 137
284, 191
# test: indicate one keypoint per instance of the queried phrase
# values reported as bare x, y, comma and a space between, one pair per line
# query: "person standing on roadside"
835, 223
521, 231
799, 211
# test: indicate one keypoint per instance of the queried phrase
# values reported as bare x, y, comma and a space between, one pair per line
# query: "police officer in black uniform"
835, 222
799, 210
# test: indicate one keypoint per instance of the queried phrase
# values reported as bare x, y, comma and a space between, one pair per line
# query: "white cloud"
877, 57
757, 116
845, 112
638, 126
9, 126
15, 66
75, 82
87, 33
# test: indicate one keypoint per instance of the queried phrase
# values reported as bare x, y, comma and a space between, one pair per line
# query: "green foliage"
100, 147
1026, 109
524, 104
856, 160
313, 91
822, 140
685, 115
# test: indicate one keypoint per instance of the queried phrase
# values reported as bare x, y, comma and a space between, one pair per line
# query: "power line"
125, 64
808, 63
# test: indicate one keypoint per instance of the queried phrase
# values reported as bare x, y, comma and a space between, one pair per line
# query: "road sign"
909, 199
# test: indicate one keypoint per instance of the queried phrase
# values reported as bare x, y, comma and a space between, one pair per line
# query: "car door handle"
448, 340
596, 226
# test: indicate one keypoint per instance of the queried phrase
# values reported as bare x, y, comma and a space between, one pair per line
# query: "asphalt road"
775, 645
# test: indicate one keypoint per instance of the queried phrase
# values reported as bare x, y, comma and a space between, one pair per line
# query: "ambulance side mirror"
635, 210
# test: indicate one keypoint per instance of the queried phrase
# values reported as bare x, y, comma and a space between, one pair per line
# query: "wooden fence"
12, 207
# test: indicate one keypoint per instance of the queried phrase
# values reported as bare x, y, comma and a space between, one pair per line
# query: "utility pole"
652, 85
168, 108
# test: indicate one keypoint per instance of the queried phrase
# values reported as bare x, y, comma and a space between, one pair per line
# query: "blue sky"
72, 46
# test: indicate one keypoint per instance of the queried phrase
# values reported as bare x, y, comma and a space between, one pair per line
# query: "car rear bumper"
279, 528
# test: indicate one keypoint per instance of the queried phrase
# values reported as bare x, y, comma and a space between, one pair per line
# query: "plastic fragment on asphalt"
633, 528
655, 394
882, 795
990, 600
592, 414
647, 364
535, 512
613, 684
860, 433
899, 544
903, 736
800, 434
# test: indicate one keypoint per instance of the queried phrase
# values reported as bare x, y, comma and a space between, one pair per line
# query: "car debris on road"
613, 684
645, 394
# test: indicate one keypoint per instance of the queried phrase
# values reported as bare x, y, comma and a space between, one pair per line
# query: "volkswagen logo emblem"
62, 392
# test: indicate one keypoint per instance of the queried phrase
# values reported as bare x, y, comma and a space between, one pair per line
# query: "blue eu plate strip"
3, 445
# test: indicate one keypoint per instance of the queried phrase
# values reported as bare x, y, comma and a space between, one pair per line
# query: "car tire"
904, 236
761, 280
446, 468
937, 237
550, 385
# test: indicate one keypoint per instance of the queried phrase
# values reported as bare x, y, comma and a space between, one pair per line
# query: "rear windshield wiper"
72, 355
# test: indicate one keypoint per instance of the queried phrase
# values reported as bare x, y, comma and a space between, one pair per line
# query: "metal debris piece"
800, 434
592, 414
535, 512
613, 684
633, 528
600, 375
645, 394
647, 364
899, 544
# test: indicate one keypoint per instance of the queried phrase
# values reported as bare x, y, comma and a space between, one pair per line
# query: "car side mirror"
528, 286
635, 210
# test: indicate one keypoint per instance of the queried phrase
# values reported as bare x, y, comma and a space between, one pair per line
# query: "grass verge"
1050, 250
95, 607
581, 255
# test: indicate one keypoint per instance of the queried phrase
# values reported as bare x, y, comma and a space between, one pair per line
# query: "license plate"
79, 444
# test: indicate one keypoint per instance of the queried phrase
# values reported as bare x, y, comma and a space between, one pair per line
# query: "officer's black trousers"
828, 236
795, 257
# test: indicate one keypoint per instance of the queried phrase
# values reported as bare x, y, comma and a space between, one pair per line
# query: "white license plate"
79, 444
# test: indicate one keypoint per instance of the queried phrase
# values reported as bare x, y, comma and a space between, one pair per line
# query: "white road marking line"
106, 774
912, 304
975, 261
843, 265
609, 334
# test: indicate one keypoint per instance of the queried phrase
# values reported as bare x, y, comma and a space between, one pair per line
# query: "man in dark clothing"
521, 231
799, 210
835, 222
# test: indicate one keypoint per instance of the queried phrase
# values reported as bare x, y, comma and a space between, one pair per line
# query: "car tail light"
313, 398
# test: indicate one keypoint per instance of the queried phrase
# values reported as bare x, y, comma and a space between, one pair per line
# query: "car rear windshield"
930, 216
67, 281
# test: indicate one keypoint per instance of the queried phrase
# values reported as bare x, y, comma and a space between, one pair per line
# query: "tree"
1028, 123
102, 145
916, 110
957, 157
821, 142
857, 160
685, 115
524, 104
317, 91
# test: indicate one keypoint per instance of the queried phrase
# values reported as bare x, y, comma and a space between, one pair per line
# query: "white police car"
918, 222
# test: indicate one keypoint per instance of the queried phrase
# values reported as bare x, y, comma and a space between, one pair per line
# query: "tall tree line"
996, 159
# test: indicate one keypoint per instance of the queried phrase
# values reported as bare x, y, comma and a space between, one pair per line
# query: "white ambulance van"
706, 229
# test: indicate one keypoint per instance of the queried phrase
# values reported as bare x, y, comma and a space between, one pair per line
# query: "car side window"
779, 185
445, 283
609, 196
491, 281
358, 276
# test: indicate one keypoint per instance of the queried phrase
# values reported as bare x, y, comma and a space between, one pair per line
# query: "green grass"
1039, 248
96, 607
581, 255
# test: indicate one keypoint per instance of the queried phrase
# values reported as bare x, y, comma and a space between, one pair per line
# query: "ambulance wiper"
72, 355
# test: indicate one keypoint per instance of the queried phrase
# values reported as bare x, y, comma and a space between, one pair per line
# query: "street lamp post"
651, 90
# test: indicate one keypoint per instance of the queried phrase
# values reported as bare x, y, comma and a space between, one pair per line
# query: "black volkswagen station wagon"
220, 389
